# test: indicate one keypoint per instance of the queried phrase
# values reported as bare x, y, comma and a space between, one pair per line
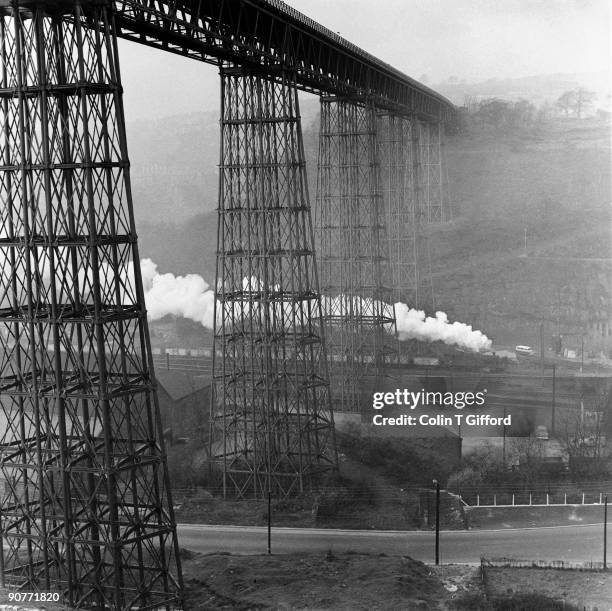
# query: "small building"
184, 402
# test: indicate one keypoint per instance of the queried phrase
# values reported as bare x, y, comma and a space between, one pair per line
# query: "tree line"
506, 116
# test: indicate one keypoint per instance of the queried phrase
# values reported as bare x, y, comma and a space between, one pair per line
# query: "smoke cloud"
186, 296
191, 297
414, 324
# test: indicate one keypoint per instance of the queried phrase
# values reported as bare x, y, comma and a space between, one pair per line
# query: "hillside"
174, 166
548, 190
174, 163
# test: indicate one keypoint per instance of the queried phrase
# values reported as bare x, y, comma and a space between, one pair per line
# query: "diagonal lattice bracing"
401, 195
406, 213
85, 506
445, 196
355, 280
272, 427
435, 201
404, 185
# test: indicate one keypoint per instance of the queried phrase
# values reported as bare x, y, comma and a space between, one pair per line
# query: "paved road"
574, 543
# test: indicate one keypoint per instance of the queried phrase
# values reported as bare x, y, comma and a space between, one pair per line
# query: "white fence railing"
525, 499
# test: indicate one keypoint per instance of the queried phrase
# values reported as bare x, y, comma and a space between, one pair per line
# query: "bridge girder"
268, 35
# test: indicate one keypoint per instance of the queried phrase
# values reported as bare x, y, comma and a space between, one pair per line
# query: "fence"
559, 494
515, 563
495, 585
187, 363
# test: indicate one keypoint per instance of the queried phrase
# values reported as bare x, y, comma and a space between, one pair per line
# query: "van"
524, 350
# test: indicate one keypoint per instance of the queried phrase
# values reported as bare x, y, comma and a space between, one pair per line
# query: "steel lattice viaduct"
85, 503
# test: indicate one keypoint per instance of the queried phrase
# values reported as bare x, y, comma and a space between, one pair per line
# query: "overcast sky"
468, 39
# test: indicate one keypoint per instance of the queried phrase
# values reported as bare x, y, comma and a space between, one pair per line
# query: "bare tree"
493, 112
503, 116
583, 439
544, 113
470, 103
528, 452
583, 100
576, 101
565, 103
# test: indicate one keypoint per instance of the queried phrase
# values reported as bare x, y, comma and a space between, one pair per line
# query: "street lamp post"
269, 521
552, 416
504, 440
605, 541
437, 485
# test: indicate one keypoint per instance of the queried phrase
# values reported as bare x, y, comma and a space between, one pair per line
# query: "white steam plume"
191, 297
413, 324
187, 296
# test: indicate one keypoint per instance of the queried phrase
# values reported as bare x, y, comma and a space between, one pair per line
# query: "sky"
430, 40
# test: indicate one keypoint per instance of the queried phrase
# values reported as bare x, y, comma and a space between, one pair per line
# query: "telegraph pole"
437, 485
605, 566
542, 345
552, 422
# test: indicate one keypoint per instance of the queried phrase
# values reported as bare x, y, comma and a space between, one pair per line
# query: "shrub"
467, 477
529, 602
397, 459
343, 495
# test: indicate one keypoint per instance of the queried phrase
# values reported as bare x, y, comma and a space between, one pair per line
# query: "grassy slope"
556, 186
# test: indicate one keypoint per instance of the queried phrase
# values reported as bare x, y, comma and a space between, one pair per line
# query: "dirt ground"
377, 582
361, 581
315, 581
589, 590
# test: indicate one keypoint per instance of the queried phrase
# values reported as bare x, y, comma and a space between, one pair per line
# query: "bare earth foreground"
315, 581
363, 581
590, 590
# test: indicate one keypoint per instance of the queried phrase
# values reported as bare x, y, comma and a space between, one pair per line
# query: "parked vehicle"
524, 350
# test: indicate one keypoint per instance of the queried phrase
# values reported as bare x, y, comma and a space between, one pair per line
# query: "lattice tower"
436, 196
85, 504
355, 276
272, 425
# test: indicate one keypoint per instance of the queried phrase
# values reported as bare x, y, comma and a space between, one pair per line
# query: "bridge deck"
269, 35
